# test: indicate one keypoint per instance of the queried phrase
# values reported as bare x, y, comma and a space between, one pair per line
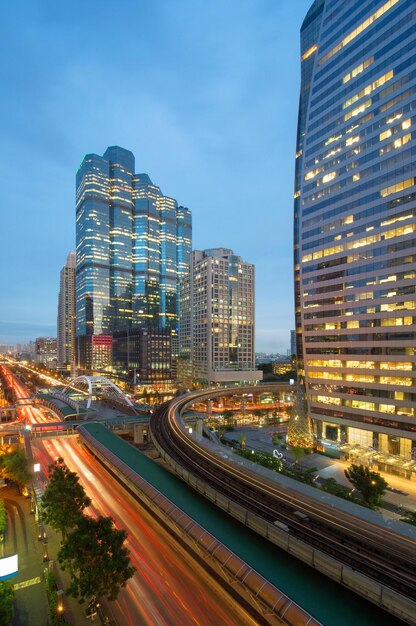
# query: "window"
357, 70
357, 31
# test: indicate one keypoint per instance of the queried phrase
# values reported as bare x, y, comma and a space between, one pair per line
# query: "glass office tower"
354, 238
133, 245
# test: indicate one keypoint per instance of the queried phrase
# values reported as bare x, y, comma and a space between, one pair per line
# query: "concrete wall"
386, 598
262, 595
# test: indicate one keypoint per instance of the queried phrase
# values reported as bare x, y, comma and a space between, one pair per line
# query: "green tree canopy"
64, 499
298, 453
96, 559
370, 484
15, 466
6, 604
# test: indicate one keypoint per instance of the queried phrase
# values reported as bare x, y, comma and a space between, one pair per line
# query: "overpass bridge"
354, 546
138, 425
127, 463
275, 579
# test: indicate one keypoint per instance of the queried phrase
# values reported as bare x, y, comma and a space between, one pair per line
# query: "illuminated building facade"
66, 314
217, 318
133, 244
355, 202
94, 352
143, 353
46, 351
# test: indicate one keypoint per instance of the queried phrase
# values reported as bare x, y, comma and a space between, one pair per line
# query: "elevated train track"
376, 551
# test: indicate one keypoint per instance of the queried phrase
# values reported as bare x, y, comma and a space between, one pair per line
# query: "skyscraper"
132, 246
355, 202
66, 314
217, 317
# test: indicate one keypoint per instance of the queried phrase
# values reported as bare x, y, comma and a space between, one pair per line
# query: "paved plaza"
400, 494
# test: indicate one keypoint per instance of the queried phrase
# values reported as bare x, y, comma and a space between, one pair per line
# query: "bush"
333, 487
409, 517
57, 619
6, 604
3, 517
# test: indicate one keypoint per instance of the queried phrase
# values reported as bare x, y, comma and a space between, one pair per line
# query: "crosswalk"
26, 583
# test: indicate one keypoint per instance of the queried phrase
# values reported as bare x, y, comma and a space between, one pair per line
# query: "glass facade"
133, 245
144, 354
354, 235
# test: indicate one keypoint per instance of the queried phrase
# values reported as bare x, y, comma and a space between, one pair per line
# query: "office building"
217, 318
66, 315
94, 353
355, 245
292, 343
46, 351
133, 244
143, 354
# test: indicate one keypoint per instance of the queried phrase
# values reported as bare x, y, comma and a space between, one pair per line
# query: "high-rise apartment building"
133, 244
355, 244
217, 318
66, 314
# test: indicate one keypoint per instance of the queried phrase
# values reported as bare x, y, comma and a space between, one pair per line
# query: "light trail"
377, 551
169, 587
268, 487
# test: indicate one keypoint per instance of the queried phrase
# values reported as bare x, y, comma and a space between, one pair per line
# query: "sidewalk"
21, 537
73, 611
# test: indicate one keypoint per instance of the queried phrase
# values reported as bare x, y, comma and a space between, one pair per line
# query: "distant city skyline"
211, 113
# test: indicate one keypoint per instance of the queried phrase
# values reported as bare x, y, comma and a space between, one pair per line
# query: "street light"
60, 603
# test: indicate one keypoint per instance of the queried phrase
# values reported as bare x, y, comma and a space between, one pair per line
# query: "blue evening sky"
205, 94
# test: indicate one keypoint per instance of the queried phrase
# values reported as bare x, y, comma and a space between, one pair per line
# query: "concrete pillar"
138, 433
209, 407
243, 406
199, 424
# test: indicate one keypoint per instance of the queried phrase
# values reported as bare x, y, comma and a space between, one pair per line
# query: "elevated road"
376, 550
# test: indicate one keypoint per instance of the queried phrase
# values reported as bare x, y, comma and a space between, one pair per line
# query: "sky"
204, 93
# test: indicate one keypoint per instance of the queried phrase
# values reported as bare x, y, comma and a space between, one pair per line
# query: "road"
168, 588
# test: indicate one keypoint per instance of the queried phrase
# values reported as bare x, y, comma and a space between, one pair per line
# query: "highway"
377, 552
168, 587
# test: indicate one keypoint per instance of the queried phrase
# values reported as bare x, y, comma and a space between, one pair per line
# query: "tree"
298, 453
64, 499
6, 604
243, 439
14, 465
370, 484
96, 559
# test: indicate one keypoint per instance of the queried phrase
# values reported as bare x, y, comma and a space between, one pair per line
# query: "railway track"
376, 552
